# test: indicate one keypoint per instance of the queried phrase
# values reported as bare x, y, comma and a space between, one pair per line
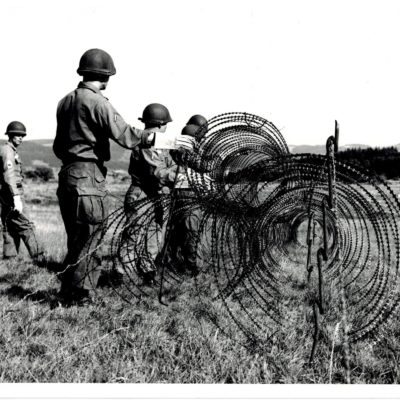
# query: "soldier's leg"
68, 203
176, 236
133, 230
23, 228
79, 271
152, 240
9, 245
185, 226
92, 211
190, 243
143, 231
133, 194
81, 195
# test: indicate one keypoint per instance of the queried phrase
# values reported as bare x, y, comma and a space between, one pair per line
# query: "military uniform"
16, 226
182, 249
85, 123
153, 173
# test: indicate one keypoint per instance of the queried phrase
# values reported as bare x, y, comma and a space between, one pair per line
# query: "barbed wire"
263, 217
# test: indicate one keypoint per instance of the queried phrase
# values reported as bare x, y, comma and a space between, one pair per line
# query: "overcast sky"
300, 64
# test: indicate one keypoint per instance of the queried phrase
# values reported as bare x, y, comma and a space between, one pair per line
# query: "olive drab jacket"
10, 170
152, 169
85, 122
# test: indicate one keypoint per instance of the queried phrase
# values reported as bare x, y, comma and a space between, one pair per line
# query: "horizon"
289, 144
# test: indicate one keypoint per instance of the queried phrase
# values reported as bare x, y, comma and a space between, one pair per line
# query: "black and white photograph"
202, 194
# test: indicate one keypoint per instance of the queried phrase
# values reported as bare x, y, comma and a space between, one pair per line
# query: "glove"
184, 142
18, 203
181, 177
181, 181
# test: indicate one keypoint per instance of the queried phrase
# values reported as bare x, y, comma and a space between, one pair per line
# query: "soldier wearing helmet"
16, 224
153, 174
200, 121
86, 121
182, 250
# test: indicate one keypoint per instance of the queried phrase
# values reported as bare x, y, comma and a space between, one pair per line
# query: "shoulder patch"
9, 164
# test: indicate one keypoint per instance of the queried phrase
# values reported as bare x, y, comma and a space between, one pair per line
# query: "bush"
40, 173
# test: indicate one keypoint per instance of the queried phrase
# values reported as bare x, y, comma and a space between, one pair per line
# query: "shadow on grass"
6, 278
49, 297
55, 267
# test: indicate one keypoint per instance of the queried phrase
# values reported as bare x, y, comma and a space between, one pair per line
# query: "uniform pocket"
78, 177
84, 182
91, 209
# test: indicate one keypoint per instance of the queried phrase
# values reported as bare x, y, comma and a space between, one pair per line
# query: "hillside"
321, 149
40, 151
34, 152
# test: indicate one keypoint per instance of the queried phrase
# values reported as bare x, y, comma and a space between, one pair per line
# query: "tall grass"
145, 342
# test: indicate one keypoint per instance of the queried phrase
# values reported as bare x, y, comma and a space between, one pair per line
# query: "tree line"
383, 161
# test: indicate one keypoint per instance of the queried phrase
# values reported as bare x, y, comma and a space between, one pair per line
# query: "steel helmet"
156, 113
194, 131
96, 61
16, 128
198, 120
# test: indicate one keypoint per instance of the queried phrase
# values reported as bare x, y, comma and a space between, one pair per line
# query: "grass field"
145, 342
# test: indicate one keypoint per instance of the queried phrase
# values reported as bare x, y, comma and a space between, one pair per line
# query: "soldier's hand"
181, 177
184, 142
18, 203
181, 180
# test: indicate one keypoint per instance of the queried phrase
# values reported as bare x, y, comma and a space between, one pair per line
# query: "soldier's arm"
118, 130
165, 168
9, 170
59, 147
193, 160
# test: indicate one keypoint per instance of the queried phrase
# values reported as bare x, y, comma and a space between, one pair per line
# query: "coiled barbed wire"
252, 241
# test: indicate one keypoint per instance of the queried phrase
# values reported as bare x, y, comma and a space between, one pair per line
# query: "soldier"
182, 248
199, 121
16, 225
85, 122
153, 174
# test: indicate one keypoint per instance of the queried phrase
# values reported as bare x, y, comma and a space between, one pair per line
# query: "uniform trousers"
16, 227
145, 227
83, 204
184, 235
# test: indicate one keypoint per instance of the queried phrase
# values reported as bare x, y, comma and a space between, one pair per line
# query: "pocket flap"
78, 173
90, 191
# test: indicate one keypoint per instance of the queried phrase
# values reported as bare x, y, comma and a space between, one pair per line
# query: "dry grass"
112, 341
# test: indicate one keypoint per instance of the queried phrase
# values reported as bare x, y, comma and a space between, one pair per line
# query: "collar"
11, 145
87, 85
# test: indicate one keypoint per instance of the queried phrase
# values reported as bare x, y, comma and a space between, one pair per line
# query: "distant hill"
34, 152
321, 149
40, 151
37, 151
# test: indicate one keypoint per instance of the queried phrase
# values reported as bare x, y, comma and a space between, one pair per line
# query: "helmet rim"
96, 61
155, 113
